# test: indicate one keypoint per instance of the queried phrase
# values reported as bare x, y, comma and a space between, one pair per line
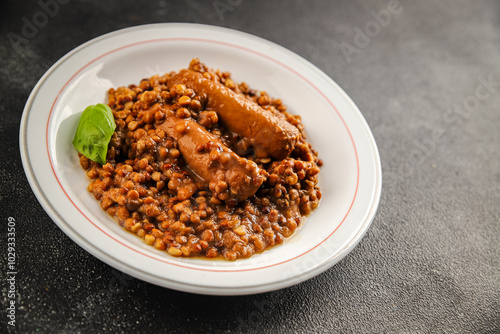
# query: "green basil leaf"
94, 131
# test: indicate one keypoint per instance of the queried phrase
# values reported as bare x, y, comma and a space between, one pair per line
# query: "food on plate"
269, 133
201, 166
230, 176
94, 131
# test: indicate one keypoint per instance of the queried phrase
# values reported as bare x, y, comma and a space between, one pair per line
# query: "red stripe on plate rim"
212, 42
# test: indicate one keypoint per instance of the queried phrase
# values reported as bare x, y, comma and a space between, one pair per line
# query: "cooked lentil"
148, 187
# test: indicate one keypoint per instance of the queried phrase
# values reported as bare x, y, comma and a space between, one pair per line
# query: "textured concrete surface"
427, 79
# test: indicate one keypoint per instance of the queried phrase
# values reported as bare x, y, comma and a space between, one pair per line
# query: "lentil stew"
201, 166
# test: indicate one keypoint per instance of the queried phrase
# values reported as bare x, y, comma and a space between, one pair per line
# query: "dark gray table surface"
426, 76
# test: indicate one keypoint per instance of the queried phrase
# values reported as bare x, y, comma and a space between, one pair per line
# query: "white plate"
350, 178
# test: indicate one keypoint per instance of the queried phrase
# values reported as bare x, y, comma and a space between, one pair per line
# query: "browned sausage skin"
269, 134
230, 176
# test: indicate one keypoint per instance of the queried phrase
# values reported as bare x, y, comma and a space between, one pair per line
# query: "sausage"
229, 175
269, 134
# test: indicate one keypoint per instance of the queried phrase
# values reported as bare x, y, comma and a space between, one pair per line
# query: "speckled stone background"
428, 83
